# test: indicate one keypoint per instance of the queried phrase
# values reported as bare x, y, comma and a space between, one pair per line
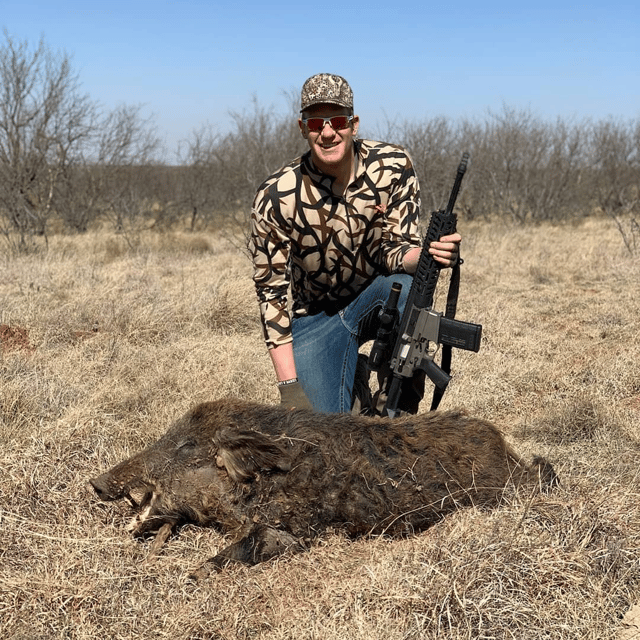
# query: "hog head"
160, 483
197, 472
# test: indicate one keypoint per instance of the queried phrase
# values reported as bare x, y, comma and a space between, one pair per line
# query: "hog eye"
186, 444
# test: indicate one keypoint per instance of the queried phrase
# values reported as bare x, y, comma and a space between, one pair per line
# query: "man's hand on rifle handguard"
446, 252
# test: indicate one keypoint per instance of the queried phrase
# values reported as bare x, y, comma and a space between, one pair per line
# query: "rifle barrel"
462, 167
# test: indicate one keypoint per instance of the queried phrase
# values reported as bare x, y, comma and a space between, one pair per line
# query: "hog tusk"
139, 518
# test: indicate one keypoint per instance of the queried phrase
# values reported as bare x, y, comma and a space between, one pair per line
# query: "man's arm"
283, 362
270, 247
292, 394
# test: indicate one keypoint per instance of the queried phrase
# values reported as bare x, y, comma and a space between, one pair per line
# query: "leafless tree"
44, 122
433, 145
224, 170
197, 192
261, 142
125, 146
615, 175
615, 161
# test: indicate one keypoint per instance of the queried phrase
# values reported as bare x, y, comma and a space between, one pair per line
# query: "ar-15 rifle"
421, 326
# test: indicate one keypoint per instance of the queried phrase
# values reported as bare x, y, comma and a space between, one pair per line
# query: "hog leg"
161, 537
260, 544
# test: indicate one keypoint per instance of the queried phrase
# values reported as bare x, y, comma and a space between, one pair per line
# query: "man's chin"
330, 157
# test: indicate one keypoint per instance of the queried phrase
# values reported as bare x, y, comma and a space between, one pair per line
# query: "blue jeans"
325, 347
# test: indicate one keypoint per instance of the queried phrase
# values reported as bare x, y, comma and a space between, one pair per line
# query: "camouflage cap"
326, 88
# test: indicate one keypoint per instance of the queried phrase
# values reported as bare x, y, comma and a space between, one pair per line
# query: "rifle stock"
421, 329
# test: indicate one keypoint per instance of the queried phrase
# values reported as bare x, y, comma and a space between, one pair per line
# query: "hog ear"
244, 453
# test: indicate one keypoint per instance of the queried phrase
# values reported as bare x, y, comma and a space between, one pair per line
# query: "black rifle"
421, 326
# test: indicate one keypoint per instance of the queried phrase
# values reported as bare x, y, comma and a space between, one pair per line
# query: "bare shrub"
614, 175
433, 145
119, 169
523, 169
224, 171
60, 158
198, 191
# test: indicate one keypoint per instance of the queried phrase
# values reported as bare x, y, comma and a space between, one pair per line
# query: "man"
338, 225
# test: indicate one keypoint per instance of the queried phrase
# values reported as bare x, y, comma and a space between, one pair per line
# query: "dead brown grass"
122, 341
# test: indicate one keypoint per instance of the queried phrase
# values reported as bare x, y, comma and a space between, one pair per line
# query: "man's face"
329, 148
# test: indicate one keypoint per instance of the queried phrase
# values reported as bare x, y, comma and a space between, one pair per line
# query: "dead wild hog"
277, 478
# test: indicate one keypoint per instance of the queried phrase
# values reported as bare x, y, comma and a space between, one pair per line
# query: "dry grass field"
104, 346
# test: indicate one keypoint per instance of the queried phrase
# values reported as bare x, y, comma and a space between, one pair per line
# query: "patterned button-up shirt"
329, 247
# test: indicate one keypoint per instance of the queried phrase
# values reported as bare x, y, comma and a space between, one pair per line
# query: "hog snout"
104, 489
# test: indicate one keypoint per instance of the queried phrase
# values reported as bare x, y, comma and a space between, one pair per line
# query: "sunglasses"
315, 125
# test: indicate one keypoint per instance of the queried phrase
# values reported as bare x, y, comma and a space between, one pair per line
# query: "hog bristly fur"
276, 477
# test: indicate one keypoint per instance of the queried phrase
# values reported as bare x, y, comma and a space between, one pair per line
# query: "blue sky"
191, 63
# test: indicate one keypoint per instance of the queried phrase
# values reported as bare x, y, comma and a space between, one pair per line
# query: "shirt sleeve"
400, 232
270, 248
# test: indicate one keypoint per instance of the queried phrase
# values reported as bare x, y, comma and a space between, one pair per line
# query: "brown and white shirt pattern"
329, 247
